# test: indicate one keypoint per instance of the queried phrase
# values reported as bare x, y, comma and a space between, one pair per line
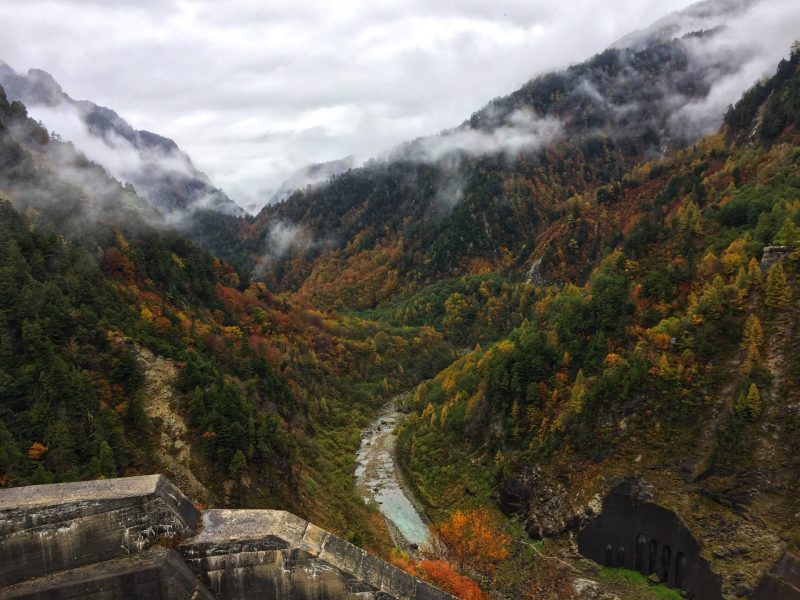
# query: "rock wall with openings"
650, 539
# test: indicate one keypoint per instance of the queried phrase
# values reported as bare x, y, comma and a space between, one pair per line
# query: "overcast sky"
253, 89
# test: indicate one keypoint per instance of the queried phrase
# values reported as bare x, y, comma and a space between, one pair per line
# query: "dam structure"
141, 538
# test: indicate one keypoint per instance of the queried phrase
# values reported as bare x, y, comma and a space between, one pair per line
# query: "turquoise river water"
377, 479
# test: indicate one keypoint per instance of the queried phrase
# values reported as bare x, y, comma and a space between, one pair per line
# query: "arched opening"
609, 560
652, 563
640, 554
621, 556
666, 557
680, 569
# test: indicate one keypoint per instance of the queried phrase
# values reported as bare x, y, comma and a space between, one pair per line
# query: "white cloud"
253, 90
522, 131
115, 153
752, 44
283, 237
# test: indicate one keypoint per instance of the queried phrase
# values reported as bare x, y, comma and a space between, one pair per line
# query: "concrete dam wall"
648, 538
140, 538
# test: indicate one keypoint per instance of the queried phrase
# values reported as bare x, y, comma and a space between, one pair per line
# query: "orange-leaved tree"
473, 538
442, 575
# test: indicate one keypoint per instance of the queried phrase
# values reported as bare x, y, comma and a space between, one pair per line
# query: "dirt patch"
161, 406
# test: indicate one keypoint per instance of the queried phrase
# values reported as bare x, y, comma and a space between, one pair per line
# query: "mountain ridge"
559, 135
589, 290
154, 164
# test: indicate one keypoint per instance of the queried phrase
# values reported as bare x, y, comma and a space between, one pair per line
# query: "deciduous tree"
472, 538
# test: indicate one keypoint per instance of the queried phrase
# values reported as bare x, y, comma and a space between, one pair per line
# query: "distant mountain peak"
159, 170
312, 175
708, 14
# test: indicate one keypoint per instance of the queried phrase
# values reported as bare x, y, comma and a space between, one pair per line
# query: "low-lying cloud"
521, 132
256, 91
751, 44
283, 237
118, 155
259, 90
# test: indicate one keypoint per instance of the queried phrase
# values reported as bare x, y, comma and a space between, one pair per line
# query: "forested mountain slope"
160, 171
93, 285
481, 197
581, 287
674, 365
152, 166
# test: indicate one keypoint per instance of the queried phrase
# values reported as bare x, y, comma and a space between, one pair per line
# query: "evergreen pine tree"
777, 289
749, 405
752, 340
754, 272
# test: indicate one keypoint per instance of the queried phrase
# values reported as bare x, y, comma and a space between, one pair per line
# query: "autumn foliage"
442, 575
473, 539
37, 450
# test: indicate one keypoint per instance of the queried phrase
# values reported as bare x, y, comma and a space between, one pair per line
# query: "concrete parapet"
151, 575
47, 528
105, 540
239, 552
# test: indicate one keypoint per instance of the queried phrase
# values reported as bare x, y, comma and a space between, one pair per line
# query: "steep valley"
591, 336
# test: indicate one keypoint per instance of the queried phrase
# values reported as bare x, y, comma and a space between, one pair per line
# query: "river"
378, 480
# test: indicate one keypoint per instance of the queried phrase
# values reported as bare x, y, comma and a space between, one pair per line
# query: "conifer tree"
754, 272
742, 285
777, 289
749, 405
578, 392
752, 340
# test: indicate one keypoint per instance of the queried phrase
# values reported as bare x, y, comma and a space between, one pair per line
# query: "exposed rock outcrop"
773, 254
544, 504
174, 455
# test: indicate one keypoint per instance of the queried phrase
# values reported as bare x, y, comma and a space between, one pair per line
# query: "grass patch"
628, 577
662, 592
622, 576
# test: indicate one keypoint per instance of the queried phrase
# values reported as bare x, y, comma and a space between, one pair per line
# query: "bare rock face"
773, 254
586, 589
47, 528
544, 504
175, 450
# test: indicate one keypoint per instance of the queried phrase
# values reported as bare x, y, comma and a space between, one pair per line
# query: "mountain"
480, 196
128, 349
585, 298
312, 175
652, 407
157, 168
705, 15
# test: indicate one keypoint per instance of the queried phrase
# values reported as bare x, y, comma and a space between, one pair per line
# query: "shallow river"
377, 479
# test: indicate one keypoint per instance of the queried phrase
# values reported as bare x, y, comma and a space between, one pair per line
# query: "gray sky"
254, 90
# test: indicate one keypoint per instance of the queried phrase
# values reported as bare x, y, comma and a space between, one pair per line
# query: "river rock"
586, 589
